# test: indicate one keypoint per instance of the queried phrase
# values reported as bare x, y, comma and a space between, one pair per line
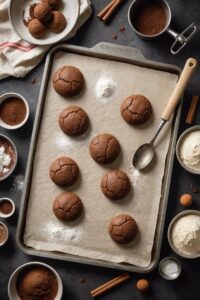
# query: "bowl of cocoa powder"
14, 111
8, 157
3, 234
7, 208
35, 280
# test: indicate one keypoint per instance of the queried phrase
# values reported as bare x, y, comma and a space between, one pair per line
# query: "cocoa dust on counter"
12, 111
3, 233
150, 19
6, 207
37, 283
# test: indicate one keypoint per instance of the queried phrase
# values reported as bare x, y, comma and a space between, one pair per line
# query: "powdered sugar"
105, 87
5, 160
18, 183
63, 142
135, 175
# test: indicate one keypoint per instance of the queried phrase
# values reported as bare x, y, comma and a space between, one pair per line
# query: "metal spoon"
145, 153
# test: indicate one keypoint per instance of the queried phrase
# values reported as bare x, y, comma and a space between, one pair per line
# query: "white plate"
70, 10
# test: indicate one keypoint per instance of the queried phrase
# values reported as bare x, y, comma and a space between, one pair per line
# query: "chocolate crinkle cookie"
73, 121
123, 229
136, 109
67, 206
64, 171
104, 148
54, 4
115, 185
68, 81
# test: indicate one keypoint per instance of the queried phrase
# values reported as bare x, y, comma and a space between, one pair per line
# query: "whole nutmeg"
186, 200
36, 28
42, 12
55, 4
142, 285
57, 22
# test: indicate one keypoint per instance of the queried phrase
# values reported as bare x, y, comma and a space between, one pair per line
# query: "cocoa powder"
6, 207
150, 19
3, 233
37, 283
12, 111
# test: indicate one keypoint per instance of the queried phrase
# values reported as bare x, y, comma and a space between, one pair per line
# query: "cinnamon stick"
192, 110
109, 285
105, 9
113, 8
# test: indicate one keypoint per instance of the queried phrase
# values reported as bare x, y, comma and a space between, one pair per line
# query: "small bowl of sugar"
169, 268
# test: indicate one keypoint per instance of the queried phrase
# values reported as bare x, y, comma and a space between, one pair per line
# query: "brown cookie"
68, 81
57, 22
55, 4
73, 121
104, 148
36, 28
136, 109
115, 185
42, 12
64, 171
67, 206
123, 229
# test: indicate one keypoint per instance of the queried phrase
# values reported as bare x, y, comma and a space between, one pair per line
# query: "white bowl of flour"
184, 234
188, 150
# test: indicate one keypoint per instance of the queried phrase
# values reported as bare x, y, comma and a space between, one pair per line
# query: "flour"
18, 183
186, 234
63, 142
5, 160
135, 175
105, 87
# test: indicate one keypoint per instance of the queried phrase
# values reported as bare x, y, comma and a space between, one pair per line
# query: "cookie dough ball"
73, 121
57, 22
64, 171
136, 109
68, 81
104, 148
42, 12
67, 206
54, 4
115, 185
37, 29
123, 229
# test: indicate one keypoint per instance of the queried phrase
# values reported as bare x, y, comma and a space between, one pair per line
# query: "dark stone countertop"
187, 286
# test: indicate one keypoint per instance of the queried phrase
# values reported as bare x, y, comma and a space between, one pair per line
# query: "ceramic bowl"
5, 216
70, 10
12, 290
180, 140
14, 95
174, 220
163, 274
3, 243
6, 139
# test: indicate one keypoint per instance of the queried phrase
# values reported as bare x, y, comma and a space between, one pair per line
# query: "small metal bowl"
15, 95
5, 216
163, 274
3, 137
6, 228
12, 284
174, 220
180, 140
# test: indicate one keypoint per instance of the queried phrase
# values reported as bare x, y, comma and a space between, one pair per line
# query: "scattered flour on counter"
63, 142
52, 232
135, 175
18, 183
105, 87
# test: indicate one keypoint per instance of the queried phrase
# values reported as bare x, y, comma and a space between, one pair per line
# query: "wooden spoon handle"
189, 68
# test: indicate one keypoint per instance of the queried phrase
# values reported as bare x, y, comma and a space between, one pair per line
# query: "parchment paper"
89, 236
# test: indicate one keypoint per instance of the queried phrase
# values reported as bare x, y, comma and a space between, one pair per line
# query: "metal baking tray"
111, 52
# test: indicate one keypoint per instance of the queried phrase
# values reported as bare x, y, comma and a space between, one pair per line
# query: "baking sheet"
89, 236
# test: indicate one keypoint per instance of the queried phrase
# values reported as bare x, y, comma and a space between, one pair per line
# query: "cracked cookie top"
123, 229
136, 109
104, 148
115, 185
64, 171
67, 206
73, 121
68, 81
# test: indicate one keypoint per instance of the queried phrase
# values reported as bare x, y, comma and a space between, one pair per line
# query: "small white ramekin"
3, 243
10, 95
12, 284
5, 216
